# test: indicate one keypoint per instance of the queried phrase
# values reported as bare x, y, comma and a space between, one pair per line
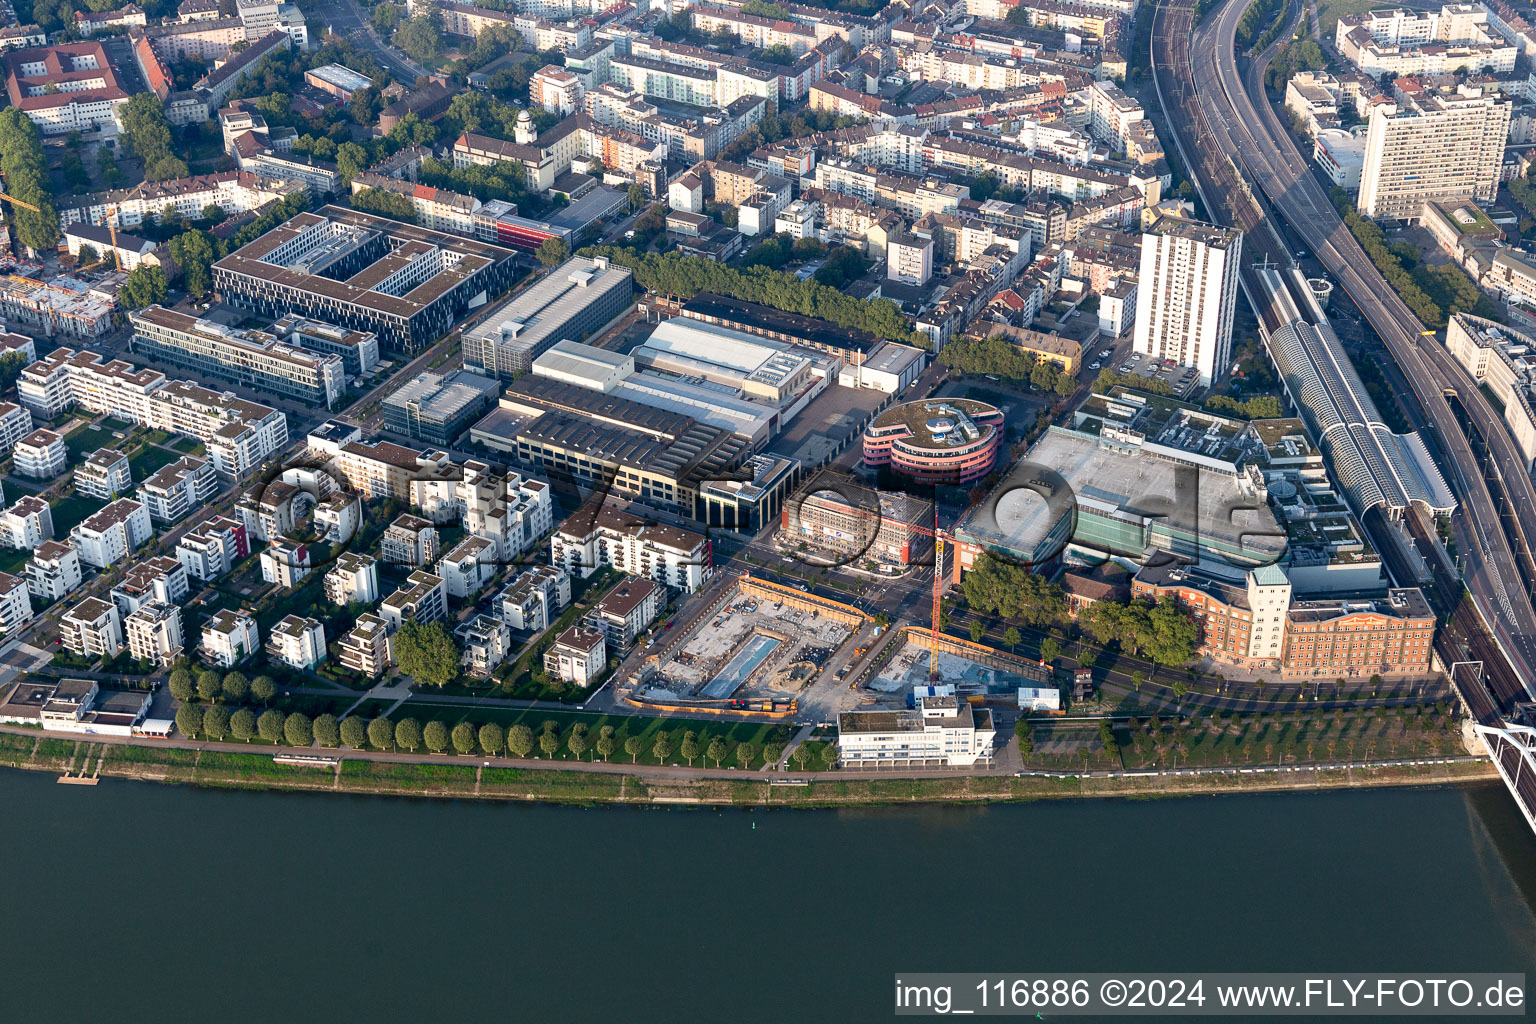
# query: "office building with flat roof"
405, 283
255, 359
941, 731
1187, 294
569, 303
435, 409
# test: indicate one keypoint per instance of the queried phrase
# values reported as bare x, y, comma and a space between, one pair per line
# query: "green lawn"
188, 446
149, 460
86, 440
14, 560
19, 485
71, 511
1329, 12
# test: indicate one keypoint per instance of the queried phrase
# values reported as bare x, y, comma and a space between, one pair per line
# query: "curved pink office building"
936, 441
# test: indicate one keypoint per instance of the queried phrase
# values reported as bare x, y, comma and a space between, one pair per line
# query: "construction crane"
17, 202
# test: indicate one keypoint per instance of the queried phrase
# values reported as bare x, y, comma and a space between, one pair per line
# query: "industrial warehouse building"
570, 303
436, 409
406, 284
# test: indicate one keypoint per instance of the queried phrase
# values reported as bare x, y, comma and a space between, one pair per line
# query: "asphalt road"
1252, 133
345, 19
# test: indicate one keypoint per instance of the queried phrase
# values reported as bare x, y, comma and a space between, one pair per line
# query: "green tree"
553, 252
263, 689
385, 204
381, 733
576, 742
189, 720
977, 631
193, 251
1050, 649
435, 735
427, 652
1024, 731
419, 38
745, 752
463, 736
520, 741
1011, 637
717, 751
829, 754
25, 170
632, 747
270, 725
661, 749
689, 749
182, 685
235, 686
605, 743
492, 739
242, 725
209, 685
408, 734
327, 731
213, 213
215, 721
801, 755
145, 128
298, 730
145, 287
385, 17
353, 732
636, 196
549, 742
351, 160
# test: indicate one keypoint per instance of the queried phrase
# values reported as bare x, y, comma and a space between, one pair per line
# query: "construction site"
759, 646
974, 670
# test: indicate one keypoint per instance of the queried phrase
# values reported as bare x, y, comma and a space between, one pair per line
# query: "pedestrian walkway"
789, 748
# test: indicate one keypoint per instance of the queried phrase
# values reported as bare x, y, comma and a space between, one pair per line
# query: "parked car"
1095, 365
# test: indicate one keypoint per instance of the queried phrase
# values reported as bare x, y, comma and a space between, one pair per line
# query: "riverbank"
469, 778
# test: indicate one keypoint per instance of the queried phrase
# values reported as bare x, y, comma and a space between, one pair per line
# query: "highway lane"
1254, 137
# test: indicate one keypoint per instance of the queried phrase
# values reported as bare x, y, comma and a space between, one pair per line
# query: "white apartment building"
1111, 113
338, 516
941, 731
54, 571
297, 642
512, 512
15, 424
107, 537
161, 578
105, 474
1432, 146
556, 90
229, 637
41, 455
578, 656
238, 434
175, 490
423, 597
909, 259
284, 561
468, 566
596, 536
15, 603
626, 611
409, 540
211, 550
92, 629
485, 642
154, 633
366, 647
354, 579
532, 601
1187, 294
26, 524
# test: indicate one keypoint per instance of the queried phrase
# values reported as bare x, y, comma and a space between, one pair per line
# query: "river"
144, 902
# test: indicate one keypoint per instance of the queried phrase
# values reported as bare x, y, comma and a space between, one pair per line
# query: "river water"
145, 902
